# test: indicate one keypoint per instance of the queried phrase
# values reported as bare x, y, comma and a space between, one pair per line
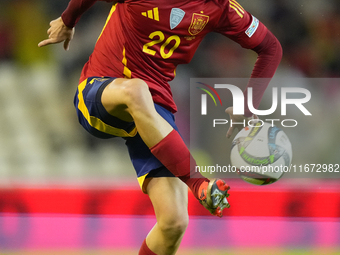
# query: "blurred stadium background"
61, 190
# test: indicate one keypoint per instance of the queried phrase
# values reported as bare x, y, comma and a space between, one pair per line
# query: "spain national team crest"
198, 22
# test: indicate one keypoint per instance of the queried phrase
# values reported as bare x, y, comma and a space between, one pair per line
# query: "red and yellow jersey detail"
198, 22
108, 18
237, 7
148, 39
152, 14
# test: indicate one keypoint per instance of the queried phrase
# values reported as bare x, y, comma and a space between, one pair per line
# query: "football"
261, 153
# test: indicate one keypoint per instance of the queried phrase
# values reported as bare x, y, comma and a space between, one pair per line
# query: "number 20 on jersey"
158, 37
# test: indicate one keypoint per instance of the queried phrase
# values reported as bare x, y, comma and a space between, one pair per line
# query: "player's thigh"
169, 196
121, 94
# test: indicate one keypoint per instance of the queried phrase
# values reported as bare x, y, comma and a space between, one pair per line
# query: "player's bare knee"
136, 91
173, 226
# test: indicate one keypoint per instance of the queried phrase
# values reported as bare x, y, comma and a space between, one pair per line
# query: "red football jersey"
148, 39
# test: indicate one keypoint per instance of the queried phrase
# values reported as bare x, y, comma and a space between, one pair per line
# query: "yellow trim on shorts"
141, 180
98, 123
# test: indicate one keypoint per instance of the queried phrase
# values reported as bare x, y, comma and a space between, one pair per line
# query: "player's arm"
269, 53
240, 26
62, 28
58, 32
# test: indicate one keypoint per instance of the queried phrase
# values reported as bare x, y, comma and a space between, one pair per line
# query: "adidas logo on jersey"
152, 14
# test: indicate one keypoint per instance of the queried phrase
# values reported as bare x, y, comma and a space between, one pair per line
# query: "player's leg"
169, 197
130, 99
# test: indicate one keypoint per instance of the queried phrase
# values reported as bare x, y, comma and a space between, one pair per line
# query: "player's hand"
58, 32
237, 118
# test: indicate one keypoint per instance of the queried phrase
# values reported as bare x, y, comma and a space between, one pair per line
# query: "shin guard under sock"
172, 152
